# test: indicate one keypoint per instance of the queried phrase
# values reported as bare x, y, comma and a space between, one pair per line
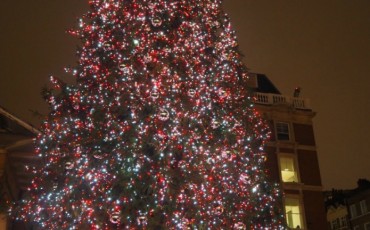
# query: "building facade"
292, 153
349, 209
337, 212
359, 203
337, 217
16, 151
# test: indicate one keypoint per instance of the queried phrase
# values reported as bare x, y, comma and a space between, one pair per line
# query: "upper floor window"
282, 131
363, 206
289, 172
293, 213
353, 210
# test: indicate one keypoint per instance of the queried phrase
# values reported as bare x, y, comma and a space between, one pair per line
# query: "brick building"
292, 154
359, 203
349, 209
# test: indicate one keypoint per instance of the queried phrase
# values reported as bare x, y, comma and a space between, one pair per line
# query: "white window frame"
363, 207
283, 133
295, 166
301, 210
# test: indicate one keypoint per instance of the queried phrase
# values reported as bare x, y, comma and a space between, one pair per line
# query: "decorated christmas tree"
159, 130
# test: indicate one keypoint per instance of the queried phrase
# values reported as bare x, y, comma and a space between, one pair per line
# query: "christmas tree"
159, 130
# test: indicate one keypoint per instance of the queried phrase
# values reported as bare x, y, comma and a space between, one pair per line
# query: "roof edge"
24, 124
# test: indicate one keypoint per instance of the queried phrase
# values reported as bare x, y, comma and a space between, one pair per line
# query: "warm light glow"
288, 169
293, 213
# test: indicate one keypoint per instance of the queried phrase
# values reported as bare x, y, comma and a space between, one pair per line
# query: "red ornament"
222, 93
157, 21
69, 165
154, 94
192, 92
164, 115
115, 217
227, 154
219, 210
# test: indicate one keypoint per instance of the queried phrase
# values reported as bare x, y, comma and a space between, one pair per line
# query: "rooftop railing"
276, 99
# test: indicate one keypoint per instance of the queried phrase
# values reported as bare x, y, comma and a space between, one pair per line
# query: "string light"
158, 132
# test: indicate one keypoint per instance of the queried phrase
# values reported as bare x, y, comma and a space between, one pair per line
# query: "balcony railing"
276, 99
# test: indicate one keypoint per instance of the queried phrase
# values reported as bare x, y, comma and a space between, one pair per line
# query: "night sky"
321, 46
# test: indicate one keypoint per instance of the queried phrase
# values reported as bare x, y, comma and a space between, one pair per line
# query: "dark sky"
321, 46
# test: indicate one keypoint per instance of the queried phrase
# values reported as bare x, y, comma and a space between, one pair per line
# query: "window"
363, 206
293, 213
334, 224
288, 169
353, 210
282, 131
367, 226
343, 221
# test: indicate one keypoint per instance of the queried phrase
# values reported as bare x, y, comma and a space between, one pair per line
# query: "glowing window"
293, 213
288, 169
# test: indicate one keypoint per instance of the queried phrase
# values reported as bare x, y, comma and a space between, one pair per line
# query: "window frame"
363, 207
278, 131
295, 167
301, 210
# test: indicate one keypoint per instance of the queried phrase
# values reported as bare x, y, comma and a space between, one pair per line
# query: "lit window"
363, 206
353, 210
288, 169
293, 213
282, 131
